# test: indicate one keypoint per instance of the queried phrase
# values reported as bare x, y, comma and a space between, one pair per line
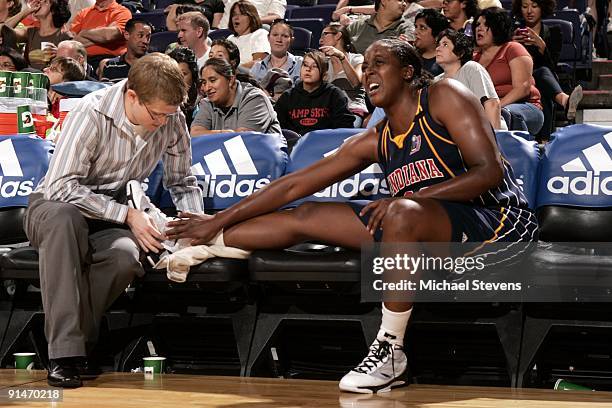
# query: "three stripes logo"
11, 170
229, 171
587, 177
369, 182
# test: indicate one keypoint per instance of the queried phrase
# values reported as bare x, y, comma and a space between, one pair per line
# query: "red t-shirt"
92, 17
499, 69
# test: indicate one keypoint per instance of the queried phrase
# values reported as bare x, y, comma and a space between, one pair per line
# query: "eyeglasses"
159, 116
324, 33
310, 66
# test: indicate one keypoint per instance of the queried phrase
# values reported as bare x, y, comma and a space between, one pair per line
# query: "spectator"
460, 14
344, 66
174, 11
189, 68
267, 10
52, 15
510, 67
454, 55
544, 45
386, 22
429, 23
280, 39
11, 60
314, 104
76, 50
231, 105
226, 50
212, 9
348, 11
8, 18
193, 33
100, 28
247, 34
138, 37
61, 69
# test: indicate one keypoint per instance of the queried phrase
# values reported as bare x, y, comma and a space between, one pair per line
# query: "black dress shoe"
63, 373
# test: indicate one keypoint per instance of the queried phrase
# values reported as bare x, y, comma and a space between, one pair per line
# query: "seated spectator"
187, 63
76, 6
174, 11
230, 105
348, 11
429, 23
460, 14
544, 45
61, 69
386, 22
212, 9
193, 33
280, 39
510, 67
267, 10
11, 60
344, 66
75, 50
313, 103
454, 55
9, 18
100, 28
52, 15
247, 34
225, 50
138, 37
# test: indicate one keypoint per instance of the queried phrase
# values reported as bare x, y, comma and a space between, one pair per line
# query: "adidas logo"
592, 183
10, 167
220, 180
369, 182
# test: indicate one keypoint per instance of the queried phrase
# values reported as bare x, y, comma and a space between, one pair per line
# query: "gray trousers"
84, 266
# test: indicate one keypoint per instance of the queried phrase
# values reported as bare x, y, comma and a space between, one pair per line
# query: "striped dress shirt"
99, 151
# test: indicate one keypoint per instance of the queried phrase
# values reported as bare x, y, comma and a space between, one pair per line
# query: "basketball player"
470, 191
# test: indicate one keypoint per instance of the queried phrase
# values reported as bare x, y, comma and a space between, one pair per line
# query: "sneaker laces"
378, 351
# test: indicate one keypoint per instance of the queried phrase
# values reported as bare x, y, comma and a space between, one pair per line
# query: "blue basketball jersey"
426, 155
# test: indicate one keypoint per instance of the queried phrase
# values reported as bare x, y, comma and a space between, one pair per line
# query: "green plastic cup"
21, 80
37, 81
6, 82
24, 361
564, 385
153, 366
25, 120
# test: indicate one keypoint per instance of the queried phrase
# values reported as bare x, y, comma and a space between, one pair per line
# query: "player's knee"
403, 217
306, 211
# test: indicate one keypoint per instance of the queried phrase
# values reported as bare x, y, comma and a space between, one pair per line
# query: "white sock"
394, 324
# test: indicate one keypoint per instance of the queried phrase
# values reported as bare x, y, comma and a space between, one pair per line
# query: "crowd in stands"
507, 58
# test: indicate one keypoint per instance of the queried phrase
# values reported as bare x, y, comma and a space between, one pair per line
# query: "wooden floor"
181, 391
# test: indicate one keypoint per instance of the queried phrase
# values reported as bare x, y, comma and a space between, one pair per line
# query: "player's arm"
354, 155
458, 110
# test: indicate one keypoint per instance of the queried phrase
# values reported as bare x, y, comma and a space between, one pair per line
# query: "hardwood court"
173, 390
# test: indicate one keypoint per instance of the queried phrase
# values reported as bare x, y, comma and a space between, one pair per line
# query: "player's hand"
143, 228
379, 210
201, 228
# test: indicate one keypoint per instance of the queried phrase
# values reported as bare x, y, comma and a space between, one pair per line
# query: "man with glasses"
88, 239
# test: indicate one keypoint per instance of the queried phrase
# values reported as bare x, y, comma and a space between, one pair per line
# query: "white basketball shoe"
382, 369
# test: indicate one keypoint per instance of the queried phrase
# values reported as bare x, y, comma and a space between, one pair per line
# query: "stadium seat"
219, 34
314, 25
524, 156
301, 42
583, 41
323, 12
161, 40
569, 56
229, 167
23, 162
156, 18
573, 257
332, 274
